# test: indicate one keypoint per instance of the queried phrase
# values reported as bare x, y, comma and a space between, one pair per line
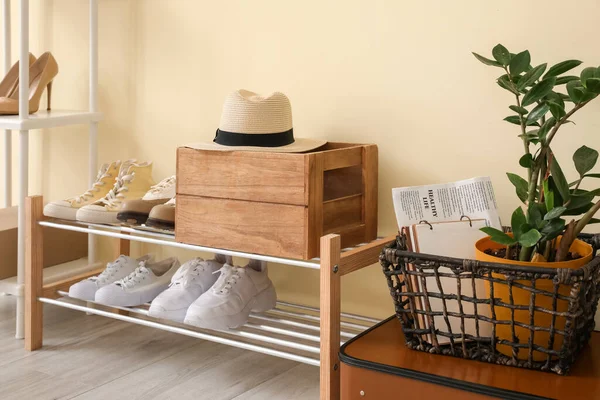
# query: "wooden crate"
276, 203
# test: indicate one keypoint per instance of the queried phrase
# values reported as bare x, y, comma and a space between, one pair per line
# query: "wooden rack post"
330, 317
34, 278
334, 265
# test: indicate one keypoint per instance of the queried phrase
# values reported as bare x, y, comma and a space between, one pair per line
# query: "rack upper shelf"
49, 119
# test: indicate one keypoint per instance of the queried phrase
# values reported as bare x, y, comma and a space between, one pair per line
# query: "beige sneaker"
163, 216
67, 209
133, 181
136, 211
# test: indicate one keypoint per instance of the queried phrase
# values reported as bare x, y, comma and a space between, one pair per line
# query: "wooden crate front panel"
264, 177
263, 228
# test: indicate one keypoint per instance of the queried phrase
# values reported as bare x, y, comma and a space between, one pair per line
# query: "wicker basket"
428, 317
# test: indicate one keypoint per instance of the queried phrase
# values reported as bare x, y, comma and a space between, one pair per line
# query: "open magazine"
473, 198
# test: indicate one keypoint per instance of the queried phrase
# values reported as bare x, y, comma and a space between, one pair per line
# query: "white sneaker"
141, 286
118, 269
191, 280
229, 302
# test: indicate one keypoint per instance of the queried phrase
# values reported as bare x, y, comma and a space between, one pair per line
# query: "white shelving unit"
41, 120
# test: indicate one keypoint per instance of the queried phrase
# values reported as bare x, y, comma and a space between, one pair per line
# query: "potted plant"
555, 209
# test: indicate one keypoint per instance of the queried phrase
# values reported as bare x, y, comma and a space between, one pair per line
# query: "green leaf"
520, 184
580, 200
580, 210
548, 196
505, 83
526, 161
565, 79
585, 159
553, 229
589, 72
519, 63
556, 109
576, 91
592, 175
534, 214
593, 85
487, 61
517, 220
554, 213
513, 119
531, 76
519, 110
498, 236
559, 179
538, 112
593, 221
538, 91
530, 238
561, 68
558, 200
501, 54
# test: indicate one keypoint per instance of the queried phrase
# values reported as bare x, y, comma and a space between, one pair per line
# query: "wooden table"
377, 365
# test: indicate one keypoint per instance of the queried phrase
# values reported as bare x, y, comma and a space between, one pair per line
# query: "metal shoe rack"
24, 123
296, 332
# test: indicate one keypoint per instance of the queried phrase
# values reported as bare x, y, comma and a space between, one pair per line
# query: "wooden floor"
92, 357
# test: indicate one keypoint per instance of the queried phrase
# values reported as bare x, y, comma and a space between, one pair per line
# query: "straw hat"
251, 122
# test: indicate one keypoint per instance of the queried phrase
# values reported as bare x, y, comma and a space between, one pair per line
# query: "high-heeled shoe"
11, 80
41, 74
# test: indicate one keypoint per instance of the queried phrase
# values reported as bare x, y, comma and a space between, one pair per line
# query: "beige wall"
395, 73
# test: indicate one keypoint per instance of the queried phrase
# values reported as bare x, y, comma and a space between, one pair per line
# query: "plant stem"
523, 125
586, 218
525, 253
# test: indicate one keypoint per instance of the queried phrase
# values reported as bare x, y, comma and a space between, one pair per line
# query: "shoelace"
135, 277
188, 273
111, 269
229, 276
115, 195
95, 187
162, 185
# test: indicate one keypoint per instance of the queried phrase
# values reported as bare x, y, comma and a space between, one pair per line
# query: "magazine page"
473, 198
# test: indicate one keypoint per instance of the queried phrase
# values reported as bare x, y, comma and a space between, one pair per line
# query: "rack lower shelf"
289, 331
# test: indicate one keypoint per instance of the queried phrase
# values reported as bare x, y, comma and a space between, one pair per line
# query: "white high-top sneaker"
191, 280
133, 182
141, 286
118, 269
228, 303
105, 180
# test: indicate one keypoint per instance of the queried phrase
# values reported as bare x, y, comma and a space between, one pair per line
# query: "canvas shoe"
136, 211
133, 181
118, 269
162, 216
105, 180
191, 280
228, 303
141, 286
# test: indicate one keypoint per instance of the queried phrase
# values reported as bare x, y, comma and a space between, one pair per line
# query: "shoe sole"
262, 302
60, 212
160, 224
132, 217
176, 316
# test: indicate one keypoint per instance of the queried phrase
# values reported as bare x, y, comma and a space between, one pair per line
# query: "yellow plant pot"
522, 297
